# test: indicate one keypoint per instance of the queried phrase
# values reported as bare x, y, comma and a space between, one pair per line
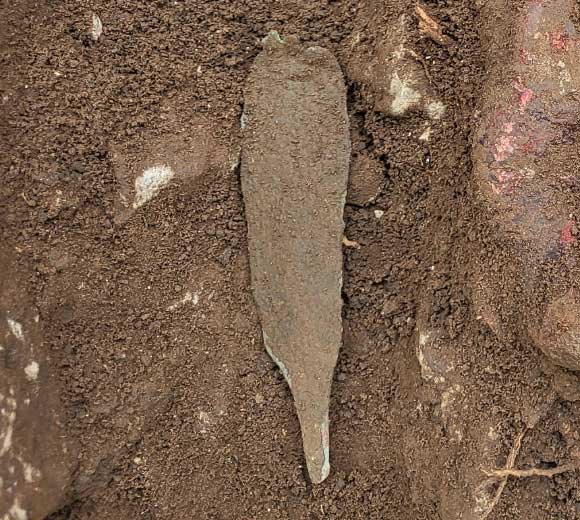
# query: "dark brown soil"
170, 405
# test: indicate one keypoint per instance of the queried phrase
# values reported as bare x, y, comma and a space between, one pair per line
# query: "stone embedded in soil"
152, 161
295, 160
97, 27
452, 388
151, 182
394, 77
432, 356
33, 458
525, 160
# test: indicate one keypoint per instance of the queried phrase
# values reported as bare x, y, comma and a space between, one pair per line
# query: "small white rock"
188, 297
97, 28
436, 109
31, 370
16, 512
16, 329
404, 95
426, 135
379, 213
150, 183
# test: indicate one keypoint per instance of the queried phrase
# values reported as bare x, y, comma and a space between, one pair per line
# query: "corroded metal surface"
295, 161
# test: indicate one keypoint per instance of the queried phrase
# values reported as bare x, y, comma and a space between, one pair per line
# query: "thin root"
533, 472
350, 243
511, 460
504, 474
429, 27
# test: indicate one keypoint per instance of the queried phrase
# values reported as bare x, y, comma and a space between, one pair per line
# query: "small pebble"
97, 27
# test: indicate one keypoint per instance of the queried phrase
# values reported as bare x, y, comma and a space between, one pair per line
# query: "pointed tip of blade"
317, 473
314, 423
273, 38
273, 41
315, 438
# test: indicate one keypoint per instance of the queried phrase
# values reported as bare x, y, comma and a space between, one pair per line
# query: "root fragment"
511, 460
429, 27
504, 474
532, 472
350, 243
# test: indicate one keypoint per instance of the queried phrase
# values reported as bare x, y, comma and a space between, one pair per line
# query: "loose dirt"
122, 207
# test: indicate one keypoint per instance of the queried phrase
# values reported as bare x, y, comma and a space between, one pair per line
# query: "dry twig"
429, 27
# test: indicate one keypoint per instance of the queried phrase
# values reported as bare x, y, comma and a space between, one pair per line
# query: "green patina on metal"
294, 170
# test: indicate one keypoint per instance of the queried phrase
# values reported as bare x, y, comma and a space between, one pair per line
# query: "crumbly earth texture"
121, 206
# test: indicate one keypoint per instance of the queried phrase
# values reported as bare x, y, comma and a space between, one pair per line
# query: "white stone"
16, 329
31, 370
7, 441
436, 109
404, 95
426, 135
31, 474
97, 28
187, 298
16, 512
150, 183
